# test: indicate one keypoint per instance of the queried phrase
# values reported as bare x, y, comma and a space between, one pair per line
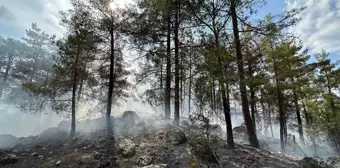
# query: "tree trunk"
181, 85
111, 85
298, 116
263, 107
214, 104
161, 75
168, 70
226, 107
80, 90
252, 96
8, 67
190, 81
330, 95
281, 110
177, 66
270, 120
245, 106
306, 113
74, 90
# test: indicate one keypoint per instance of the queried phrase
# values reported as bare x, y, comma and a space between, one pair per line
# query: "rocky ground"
148, 143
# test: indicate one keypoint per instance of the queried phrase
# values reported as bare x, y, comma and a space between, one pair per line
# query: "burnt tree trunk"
177, 66
245, 105
168, 69
111, 85
298, 116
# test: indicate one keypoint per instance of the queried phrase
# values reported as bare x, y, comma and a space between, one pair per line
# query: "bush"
204, 145
203, 150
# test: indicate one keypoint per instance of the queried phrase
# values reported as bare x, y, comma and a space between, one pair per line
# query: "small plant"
204, 145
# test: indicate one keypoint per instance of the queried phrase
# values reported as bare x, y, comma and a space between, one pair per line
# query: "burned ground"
150, 143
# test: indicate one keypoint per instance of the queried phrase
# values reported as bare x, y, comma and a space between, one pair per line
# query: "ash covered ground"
150, 142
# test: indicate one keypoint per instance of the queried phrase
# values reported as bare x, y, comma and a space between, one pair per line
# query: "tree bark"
245, 106
177, 66
74, 90
190, 81
168, 70
226, 107
263, 107
298, 116
111, 85
161, 75
252, 96
281, 110
306, 114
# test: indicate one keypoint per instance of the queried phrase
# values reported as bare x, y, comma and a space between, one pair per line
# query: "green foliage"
204, 145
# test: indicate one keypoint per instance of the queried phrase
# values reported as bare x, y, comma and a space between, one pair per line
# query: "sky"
319, 28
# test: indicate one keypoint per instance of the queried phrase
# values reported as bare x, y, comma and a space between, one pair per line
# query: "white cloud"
43, 12
320, 25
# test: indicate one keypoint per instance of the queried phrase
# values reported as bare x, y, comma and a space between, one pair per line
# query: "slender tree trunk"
177, 66
245, 106
252, 96
111, 85
74, 90
214, 96
161, 75
226, 107
8, 67
190, 81
212, 102
168, 70
306, 113
270, 119
80, 90
298, 116
264, 111
330, 95
181, 85
281, 109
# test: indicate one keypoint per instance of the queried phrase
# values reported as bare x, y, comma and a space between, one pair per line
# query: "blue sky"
318, 29
272, 6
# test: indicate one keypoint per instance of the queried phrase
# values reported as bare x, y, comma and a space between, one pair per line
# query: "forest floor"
151, 143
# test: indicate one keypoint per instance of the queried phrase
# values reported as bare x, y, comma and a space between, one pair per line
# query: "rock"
103, 164
176, 137
41, 157
184, 123
128, 120
97, 155
7, 141
58, 163
132, 114
84, 159
50, 153
157, 166
144, 160
38, 146
127, 148
309, 162
139, 127
34, 154
15, 151
240, 129
9, 159
216, 128
24, 154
